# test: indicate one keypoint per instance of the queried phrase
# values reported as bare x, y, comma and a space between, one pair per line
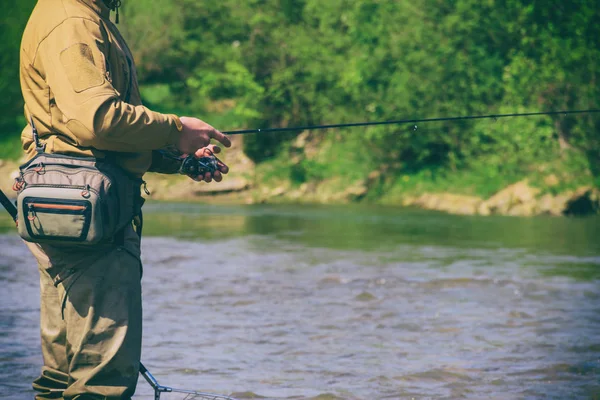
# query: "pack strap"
39, 147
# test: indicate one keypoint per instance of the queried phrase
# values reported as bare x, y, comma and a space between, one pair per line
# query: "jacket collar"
98, 6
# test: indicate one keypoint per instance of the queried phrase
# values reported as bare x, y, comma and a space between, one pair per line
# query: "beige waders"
80, 87
91, 320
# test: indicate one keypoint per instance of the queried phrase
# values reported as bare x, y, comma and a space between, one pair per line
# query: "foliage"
274, 63
11, 103
284, 62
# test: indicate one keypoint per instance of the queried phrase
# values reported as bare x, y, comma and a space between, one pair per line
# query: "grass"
7, 225
483, 177
486, 176
10, 147
331, 157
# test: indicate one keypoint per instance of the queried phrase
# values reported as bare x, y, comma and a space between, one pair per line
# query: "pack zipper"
64, 207
79, 187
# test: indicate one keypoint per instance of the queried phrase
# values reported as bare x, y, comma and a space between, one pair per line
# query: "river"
353, 302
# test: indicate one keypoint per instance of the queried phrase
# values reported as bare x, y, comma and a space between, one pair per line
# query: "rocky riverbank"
519, 199
240, 187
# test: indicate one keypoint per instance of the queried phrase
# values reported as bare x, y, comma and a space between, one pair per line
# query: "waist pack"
64, 200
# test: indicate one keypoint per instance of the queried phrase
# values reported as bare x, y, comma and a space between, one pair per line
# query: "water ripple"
265, 316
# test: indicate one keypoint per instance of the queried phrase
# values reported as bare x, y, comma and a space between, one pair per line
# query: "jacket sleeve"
163, 164
74, 60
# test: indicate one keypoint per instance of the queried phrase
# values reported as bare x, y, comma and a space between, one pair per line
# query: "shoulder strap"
130, 83
39, 147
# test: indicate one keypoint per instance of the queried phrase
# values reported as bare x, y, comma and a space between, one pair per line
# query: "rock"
428, 201
451, 203
409, 201
551, 180
365, 296
304, 193
583, 201
247, 395
562, 200
331, 280
326, 396
550, 205
308, 187
229, 185
297, 194
374, 176
518, 199
523, 210
279, 191
301, 140
484, 209
504, 200
460, 204
356, 192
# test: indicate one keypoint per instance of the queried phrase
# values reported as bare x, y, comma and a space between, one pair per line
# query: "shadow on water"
373, 228
368, 227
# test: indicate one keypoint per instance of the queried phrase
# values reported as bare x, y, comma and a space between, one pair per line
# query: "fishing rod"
193, 166
409, 121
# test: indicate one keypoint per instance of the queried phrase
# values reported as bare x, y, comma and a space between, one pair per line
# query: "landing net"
184, 394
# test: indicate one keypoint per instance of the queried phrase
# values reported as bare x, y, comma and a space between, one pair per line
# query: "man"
80, 89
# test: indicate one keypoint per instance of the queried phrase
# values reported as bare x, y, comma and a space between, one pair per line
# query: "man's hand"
222, 168
195, 139
196, 134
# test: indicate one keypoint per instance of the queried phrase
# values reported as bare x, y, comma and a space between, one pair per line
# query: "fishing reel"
193, 166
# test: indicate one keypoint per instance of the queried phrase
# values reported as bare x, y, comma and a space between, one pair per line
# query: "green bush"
281, 63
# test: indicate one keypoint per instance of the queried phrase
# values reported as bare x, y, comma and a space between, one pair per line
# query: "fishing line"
415, 122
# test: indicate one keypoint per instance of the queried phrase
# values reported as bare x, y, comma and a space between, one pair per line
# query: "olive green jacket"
80, 85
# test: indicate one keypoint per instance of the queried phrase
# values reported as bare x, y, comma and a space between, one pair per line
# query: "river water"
290, 302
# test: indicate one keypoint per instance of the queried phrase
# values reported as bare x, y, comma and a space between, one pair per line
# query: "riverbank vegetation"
280, 63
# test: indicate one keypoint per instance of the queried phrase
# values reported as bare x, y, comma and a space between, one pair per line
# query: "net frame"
190, 394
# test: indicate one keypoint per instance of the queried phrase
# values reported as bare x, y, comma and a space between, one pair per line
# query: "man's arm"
74, 61
73, 57
164, 164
